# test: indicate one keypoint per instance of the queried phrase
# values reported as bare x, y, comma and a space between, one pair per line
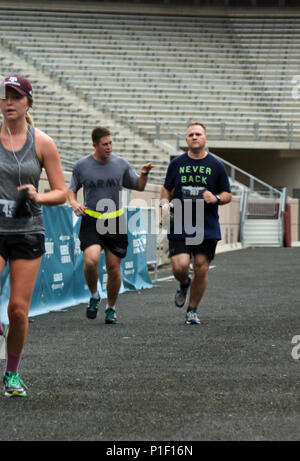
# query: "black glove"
22, 208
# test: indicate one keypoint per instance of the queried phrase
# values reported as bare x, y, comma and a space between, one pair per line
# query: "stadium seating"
232, 73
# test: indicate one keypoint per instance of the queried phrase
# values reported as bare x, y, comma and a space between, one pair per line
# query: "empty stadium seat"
232, 73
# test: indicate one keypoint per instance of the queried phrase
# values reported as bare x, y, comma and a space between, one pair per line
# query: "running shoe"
13, 385
92, 308
181, 294
192, 317
110, 315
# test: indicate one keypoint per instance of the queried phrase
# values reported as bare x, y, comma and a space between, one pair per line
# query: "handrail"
286, 130
250, 176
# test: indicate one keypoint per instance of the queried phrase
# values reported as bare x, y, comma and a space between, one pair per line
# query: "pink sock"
13, 362
1, 329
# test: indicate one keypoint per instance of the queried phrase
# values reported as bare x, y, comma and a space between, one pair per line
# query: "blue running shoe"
92, 308
110, 315
13, 385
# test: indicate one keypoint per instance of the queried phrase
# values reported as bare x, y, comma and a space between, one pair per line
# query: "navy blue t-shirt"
187, 178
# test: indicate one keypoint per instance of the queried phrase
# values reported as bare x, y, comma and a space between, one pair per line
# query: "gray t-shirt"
102, 180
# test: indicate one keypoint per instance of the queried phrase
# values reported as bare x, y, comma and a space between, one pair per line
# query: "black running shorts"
207, 248
22, 246
88, 235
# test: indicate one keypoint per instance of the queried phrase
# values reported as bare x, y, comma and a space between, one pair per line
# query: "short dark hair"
196, 123
98, 133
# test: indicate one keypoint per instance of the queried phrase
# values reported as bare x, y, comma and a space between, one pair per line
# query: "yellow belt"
97, 215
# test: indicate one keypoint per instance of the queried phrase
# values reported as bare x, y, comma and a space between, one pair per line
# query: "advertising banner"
60, 281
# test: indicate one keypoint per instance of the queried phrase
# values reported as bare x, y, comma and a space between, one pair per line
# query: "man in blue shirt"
196, 184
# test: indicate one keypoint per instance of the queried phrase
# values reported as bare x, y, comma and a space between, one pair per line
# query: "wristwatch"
219, 199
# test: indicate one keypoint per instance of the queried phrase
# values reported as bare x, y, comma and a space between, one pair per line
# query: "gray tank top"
28, 171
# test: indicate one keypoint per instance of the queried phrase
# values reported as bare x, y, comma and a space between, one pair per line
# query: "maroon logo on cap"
20, 84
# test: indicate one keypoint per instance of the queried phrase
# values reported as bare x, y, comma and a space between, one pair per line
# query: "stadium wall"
277, 167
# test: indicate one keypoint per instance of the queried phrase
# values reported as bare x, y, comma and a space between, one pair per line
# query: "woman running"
24, 151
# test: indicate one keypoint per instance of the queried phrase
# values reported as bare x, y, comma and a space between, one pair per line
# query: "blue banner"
57, 266
81, 291
60, 282
4, 295
134, 271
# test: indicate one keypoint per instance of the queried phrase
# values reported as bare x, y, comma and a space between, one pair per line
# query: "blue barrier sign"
57, 266
60, 282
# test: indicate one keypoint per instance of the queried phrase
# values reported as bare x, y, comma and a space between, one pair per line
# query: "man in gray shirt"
102, 176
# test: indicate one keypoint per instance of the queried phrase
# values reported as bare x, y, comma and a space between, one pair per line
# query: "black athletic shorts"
88, 235
22, 246
207, 248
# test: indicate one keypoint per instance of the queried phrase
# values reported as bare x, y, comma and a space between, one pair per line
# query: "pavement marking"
163, 279
171, 277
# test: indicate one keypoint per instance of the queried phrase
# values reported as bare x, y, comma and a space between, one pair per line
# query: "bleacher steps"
262, 233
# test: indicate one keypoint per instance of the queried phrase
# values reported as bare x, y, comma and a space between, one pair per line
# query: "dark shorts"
22, 246
88, 235
207, 248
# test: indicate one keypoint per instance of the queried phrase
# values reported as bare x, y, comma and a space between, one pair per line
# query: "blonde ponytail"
29, 119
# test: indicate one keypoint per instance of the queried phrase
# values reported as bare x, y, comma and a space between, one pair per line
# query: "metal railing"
285, 131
